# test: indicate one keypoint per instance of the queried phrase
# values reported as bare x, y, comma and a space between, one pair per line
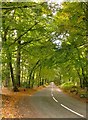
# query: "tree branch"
16, 7
24, 33
25, 6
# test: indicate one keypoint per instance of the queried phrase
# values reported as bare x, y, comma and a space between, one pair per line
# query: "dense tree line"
44, 42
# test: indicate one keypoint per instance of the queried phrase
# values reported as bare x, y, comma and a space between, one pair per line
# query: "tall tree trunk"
86, 14
84, 78
32, 84
30, 73
18, 64
30, 76
9, 57
12, 74
10, 66
40, 80
80, 78
22, 75
7, 76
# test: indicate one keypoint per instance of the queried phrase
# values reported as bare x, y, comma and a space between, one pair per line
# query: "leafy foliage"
42, 42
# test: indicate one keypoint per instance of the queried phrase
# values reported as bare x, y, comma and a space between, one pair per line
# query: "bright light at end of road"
52, 83
56, 1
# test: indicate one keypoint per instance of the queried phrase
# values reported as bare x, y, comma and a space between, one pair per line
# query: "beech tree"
44, 42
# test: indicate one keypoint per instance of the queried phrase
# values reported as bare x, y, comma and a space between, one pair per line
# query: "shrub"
67, 85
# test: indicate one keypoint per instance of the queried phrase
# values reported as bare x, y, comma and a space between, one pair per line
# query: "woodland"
44, 42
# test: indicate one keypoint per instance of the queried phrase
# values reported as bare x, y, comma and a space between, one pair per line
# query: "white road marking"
55, 99
51, 94
72, 110
66, 107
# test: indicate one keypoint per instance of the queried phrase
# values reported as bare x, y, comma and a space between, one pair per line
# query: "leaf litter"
10, 100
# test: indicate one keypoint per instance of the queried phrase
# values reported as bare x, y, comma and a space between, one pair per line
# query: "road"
51, 102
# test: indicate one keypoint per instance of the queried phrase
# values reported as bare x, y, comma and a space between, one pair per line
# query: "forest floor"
10, 98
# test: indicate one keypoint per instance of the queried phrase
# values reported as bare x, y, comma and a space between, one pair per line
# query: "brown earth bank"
77, 96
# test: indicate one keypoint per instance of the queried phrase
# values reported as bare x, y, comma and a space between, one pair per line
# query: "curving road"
51, 102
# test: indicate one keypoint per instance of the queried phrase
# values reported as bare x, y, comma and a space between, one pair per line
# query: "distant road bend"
51, 102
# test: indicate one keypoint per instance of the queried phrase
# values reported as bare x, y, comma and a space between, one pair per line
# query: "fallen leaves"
10, 100
8, 106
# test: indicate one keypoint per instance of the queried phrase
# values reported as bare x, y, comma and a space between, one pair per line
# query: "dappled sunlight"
58, 90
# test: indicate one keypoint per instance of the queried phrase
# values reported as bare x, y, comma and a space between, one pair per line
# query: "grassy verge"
74, 91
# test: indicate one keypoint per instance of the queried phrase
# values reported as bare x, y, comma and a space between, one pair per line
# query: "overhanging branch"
24, 33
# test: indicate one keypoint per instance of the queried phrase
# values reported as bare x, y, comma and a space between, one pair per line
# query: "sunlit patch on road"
58, 90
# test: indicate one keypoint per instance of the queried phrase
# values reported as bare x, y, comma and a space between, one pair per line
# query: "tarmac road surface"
51, 102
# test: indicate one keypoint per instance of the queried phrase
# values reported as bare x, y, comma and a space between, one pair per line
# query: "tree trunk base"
15, 89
